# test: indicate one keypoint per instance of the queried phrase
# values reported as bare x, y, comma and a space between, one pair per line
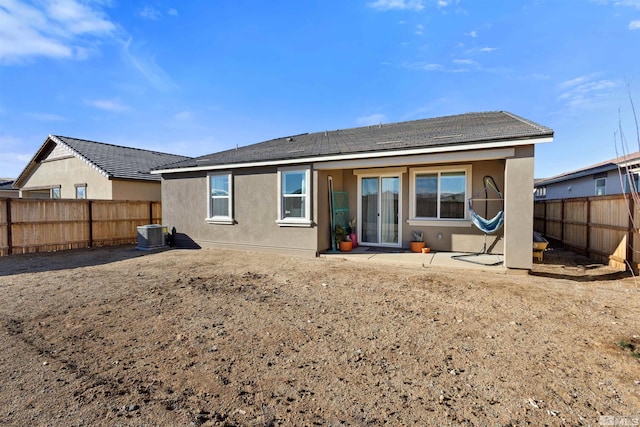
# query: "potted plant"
417, 243
352, 232
342, 239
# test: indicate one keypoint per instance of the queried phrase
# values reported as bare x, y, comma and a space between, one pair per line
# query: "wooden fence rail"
600, 227
32, 225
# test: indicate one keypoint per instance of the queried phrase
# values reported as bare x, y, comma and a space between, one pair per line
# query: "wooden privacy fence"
599, 227
31, 225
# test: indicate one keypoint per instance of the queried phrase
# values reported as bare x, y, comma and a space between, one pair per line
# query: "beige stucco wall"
255, 198
185, 205
136, 190
518, 226
459, 239
67, 172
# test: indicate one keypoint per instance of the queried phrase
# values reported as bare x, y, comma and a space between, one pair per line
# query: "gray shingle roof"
118, 161
469, 128
630, 159
6, 184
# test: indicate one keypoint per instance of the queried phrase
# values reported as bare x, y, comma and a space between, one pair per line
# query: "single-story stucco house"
72, 168
398, 178
614, 176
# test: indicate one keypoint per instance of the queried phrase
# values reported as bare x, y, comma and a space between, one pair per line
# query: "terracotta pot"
345, 246
416, 246
426, 250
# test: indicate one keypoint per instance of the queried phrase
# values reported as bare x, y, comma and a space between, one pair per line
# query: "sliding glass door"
379, 210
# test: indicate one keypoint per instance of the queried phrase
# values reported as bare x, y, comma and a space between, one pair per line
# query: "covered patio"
400, 256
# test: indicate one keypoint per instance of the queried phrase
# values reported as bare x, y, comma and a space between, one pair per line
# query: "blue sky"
197, 77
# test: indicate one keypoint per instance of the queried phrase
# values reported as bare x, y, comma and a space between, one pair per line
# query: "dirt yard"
120, 337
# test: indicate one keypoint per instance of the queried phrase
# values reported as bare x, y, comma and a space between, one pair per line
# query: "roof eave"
369, 154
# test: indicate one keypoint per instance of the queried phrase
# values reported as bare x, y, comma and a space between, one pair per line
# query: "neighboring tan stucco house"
614, 176
71, 168
399, 177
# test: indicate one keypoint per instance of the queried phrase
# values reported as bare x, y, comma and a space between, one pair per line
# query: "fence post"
545, 218
588, 239
562, 222
90, 223
630, 235
9, 235
151, 212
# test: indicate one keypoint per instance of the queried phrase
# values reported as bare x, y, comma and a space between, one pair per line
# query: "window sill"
221, 221
290, 222
440, 222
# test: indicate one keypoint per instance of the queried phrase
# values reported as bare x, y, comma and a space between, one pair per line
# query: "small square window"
55, 193
81, 191
601, 184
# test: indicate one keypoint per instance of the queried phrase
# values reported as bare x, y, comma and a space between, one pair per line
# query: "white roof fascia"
420, 159
367, 155
80, 156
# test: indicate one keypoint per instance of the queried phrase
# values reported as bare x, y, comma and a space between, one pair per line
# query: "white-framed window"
81, 191
294, 196
220, 198
55, 193
601, 185
541, 192
439, 194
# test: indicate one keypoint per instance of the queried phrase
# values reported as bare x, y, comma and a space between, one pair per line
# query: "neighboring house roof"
435, 134
112, 161
628, 160
6, 184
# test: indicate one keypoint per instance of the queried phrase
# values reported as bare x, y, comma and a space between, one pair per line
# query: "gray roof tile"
469, 128
118, 161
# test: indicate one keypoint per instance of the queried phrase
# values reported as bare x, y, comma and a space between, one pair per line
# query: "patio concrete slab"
444, 260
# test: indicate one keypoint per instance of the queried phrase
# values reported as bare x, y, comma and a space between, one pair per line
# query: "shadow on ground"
559, 263
62, 260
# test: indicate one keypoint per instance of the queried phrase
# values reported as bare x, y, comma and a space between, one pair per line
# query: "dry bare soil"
116, 336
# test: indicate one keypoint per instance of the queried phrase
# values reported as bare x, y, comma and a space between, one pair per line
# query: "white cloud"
419, 29
147, 66
371, 120
488, 49
172, 12
397, 4
55, 29
473, 34
465, 62
150, 12
46, 117
583, 92
113, 106
183, 115
634, 25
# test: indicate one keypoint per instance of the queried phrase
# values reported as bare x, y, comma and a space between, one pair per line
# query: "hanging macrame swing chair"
487, 226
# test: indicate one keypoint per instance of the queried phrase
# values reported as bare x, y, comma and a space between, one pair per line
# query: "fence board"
600, 227
4, 228
53, 225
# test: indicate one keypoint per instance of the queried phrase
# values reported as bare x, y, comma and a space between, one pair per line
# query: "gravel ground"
116, 336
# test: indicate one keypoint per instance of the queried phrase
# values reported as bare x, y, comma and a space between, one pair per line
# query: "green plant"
341, 234
418, 236
625, 345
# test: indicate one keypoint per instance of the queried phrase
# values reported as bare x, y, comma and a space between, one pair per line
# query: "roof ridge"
118, 146
527, 121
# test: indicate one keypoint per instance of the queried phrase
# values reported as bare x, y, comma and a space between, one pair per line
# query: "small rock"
45, 363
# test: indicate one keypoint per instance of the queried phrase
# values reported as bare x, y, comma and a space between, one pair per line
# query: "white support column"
518, 204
